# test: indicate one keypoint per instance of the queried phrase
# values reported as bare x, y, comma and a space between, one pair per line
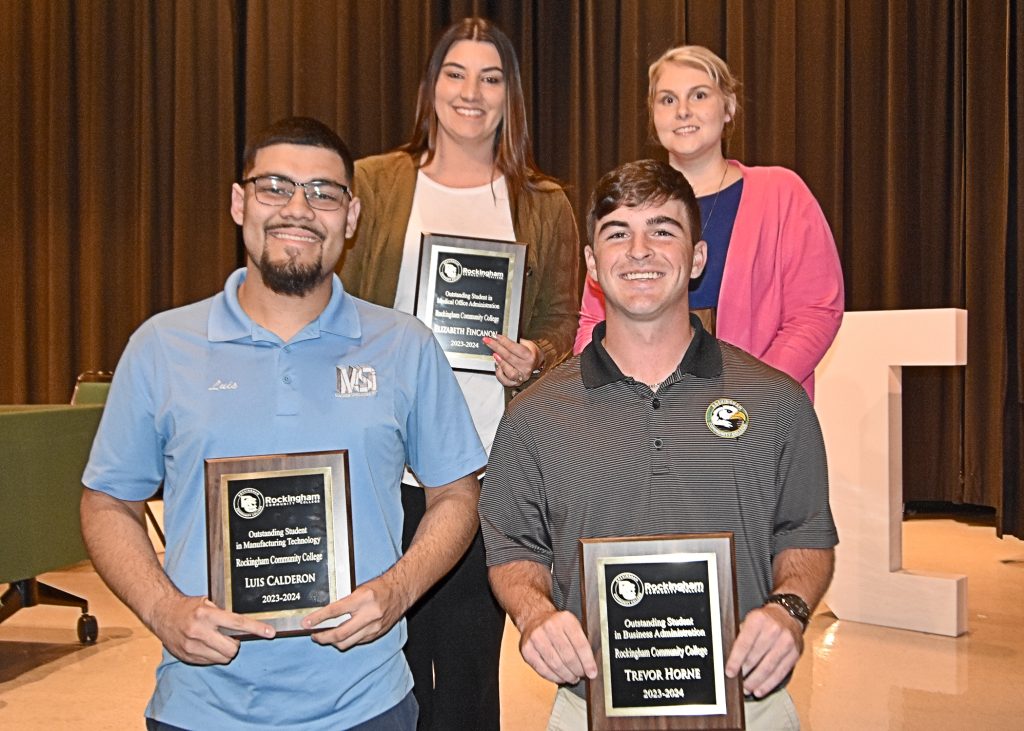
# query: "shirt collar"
702, 359
228, 321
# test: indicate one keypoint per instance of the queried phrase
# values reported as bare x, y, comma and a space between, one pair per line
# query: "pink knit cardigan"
782, 288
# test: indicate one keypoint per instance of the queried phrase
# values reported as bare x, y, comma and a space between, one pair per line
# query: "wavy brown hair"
640, 184
511, 152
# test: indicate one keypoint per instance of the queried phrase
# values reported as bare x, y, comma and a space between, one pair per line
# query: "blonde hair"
705, 60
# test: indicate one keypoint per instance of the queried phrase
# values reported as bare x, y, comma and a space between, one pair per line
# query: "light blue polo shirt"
206, 381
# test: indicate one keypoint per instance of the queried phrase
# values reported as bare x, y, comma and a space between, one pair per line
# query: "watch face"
792, 604
798, 607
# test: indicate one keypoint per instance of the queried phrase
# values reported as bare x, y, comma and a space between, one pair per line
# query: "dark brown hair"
640, 184
511, 151
297, 131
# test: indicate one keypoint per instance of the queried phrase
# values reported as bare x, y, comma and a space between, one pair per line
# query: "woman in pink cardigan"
773, 284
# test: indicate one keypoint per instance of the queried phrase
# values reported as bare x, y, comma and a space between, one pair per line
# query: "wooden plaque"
279, 536
661, 616
469, 288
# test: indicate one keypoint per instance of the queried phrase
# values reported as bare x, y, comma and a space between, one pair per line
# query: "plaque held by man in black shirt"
660, 614
279, 536
468, 289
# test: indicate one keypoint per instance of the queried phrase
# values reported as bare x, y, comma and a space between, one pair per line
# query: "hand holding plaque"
279, 536
469, 289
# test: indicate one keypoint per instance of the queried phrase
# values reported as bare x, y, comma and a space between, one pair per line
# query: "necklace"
714, 203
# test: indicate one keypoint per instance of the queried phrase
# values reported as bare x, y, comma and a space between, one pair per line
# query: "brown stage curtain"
119, 144
125, 123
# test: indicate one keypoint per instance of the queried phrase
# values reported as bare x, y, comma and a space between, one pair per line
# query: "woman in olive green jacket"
467, 172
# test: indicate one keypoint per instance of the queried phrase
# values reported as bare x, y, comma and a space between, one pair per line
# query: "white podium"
858, 399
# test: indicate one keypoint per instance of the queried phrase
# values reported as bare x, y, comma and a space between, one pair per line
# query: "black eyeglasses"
323, 195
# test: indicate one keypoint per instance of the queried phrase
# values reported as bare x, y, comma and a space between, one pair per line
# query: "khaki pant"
774, 713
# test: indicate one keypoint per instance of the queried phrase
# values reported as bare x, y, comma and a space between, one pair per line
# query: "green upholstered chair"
43, 451
91, 387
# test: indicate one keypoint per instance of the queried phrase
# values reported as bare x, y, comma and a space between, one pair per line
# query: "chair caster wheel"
88, 629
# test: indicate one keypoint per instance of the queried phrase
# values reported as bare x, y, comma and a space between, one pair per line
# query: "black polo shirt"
588, 452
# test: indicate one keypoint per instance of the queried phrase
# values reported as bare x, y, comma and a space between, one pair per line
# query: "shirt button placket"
659, 460
288, 397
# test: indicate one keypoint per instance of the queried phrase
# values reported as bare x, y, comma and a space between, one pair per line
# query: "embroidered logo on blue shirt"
356, 381
220, 385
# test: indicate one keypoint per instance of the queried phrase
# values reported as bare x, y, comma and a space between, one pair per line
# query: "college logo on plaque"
627, 589
450, 270
248, 503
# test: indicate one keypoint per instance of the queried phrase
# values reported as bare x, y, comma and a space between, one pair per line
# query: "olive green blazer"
543, 220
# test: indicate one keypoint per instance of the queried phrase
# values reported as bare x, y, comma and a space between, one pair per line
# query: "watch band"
793, 604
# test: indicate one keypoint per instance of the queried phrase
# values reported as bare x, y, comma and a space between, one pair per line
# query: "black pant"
454, 639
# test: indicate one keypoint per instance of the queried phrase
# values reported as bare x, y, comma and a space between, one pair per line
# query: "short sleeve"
443, 444
126, 460
803, 517
513, 518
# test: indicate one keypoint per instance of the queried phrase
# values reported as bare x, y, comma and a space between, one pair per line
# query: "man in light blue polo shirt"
266, 367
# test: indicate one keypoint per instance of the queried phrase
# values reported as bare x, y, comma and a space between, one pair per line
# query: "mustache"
319, 234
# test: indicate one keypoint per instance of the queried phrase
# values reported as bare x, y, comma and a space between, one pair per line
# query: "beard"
290, 277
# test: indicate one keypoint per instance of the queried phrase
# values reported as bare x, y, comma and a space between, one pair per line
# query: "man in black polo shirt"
658, 428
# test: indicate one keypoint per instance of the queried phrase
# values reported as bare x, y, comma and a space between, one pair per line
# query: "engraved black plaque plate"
279, 535
660, 613
469, 289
